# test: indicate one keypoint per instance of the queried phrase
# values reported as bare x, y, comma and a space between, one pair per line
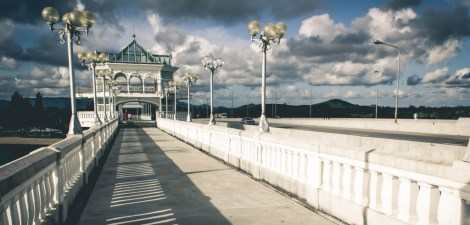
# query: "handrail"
358, 185
43, 184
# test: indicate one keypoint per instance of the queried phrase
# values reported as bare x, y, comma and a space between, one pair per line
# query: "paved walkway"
152, 178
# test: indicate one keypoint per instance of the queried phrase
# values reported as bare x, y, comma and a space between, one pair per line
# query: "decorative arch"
150, 84
135, 83
121, 81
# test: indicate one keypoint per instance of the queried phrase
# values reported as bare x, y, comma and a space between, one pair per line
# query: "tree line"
20, 115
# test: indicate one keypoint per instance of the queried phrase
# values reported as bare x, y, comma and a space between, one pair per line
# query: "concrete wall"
450, 127
358, 180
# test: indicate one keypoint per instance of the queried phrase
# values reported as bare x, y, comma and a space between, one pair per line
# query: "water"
10, 152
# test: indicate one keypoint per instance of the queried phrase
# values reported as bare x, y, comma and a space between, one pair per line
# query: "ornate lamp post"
174, 85
74, 24
190, 79
271, 34
167, 92
111, 98
104, 74
212, 64
90, 59
378, 42
116, 91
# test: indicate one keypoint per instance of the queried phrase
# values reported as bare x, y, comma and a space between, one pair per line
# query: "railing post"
81, 155
451, 207
407, 196
428, 197
361, 186
389, 194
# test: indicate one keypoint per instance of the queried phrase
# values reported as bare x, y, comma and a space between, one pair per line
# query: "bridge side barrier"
358, 185
43, 184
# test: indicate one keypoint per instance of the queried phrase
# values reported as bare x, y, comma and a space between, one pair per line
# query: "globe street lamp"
190, 79
212, 64
74, 23
378, 42
104, 74
271, 34
90, 59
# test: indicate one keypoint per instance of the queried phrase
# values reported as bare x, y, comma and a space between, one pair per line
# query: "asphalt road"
408, 136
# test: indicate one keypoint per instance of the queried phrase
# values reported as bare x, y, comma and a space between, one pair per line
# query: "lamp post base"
211, 120
74, 126
188, 117
263, 124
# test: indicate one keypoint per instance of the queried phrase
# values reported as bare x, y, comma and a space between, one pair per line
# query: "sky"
327, 51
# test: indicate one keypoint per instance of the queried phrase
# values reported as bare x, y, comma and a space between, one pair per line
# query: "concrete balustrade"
42, 185
348, 180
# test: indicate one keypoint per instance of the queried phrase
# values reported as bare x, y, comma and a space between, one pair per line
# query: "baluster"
23, 213
407, 196
326, 183
348, 178
426, 205
375, 199
43, 197
5, 217
361, 186
37, 201
451, 207
15, 211
31, 206
389, 194
337, 177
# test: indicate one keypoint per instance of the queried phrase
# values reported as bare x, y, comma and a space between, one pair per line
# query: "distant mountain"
335, 104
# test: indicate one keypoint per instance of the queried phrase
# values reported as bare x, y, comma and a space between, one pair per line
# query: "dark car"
248, 121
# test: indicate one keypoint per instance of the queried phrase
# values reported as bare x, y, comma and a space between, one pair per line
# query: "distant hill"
335, 104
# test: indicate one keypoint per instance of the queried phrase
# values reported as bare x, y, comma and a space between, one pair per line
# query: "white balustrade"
370, 191
42, 185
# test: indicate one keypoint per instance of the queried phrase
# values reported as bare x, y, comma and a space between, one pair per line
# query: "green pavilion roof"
135, 53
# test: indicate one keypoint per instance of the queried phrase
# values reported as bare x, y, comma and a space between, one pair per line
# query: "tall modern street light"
90, 59
104, 74
378, 42
271, 34
74, 24
190, 79
212, 64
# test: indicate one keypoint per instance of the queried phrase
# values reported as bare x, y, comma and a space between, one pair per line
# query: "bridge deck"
152, 178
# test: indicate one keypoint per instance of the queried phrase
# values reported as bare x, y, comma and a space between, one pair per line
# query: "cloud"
443, 52
461, 78
436, 76
321, 26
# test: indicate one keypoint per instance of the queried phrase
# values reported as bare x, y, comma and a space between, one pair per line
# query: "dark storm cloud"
442, 24
400, 4
29, 11
352, 38
230, 11
312, 47
413, 80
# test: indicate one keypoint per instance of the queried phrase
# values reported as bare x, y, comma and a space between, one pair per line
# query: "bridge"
191, 173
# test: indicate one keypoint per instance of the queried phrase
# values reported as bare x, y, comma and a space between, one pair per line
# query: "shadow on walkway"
140, 184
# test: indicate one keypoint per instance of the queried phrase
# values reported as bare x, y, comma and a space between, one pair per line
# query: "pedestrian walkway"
153, 178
